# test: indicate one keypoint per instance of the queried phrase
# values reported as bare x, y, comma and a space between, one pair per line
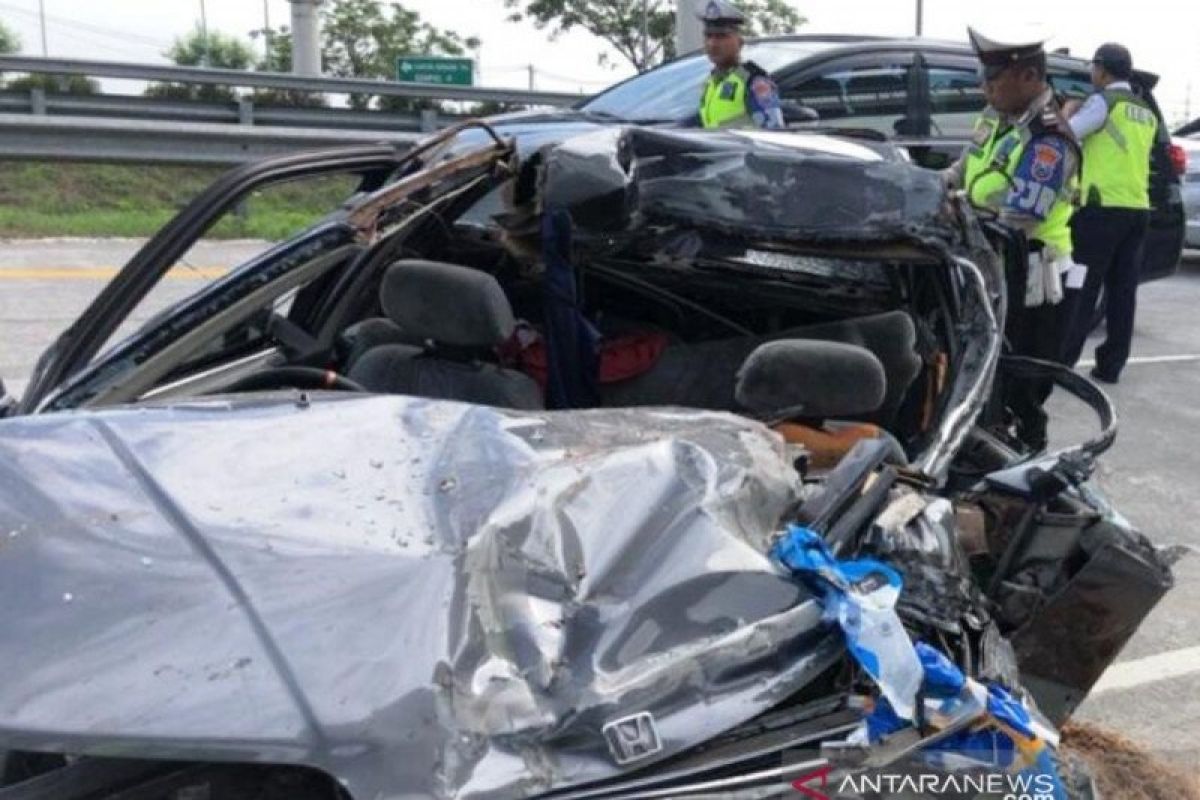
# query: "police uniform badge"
728, 90
1046, 158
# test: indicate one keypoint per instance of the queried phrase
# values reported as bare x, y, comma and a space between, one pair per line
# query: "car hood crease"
421, 598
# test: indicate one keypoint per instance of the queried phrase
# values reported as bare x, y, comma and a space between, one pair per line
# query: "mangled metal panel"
421, 598
785, 187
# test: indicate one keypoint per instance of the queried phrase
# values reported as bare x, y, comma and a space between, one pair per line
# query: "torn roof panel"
791, 188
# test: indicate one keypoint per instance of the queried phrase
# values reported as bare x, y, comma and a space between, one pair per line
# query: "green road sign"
435, 69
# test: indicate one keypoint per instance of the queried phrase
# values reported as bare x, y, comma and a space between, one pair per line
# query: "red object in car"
1179, 159
621, 358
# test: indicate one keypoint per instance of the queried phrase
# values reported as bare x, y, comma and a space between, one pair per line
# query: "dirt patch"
1124, 770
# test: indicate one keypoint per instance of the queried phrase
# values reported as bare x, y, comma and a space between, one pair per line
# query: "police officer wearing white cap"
736, 94
1023, 164
1118, 130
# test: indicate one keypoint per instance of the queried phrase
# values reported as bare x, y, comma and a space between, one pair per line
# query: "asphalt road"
1152, 695
46, 284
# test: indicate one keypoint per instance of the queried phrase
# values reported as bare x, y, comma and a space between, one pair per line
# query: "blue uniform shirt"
1040, 176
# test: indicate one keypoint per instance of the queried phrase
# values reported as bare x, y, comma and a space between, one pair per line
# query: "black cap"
1115, 58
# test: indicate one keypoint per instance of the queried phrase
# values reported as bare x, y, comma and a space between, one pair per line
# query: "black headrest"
447, 304
806, 378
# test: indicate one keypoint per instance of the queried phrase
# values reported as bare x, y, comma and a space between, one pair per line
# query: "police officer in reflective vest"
1022, 165
736, 94
1118, 130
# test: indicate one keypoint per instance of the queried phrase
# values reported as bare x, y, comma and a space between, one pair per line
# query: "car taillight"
1179, 159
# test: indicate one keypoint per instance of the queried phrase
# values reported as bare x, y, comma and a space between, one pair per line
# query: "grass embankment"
58, 199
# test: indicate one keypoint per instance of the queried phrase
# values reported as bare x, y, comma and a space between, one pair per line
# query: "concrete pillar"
689, 32
306, 37
37, 101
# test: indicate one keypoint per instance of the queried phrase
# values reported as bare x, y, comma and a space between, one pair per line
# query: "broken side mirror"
796, 113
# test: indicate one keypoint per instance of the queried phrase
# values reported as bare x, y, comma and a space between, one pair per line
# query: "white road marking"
1150, 360
1164, 666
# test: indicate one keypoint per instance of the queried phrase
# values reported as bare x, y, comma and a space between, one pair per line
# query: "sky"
1164, 35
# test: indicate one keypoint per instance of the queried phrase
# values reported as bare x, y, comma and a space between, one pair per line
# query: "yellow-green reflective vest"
1116, 158
989, 179
724, 101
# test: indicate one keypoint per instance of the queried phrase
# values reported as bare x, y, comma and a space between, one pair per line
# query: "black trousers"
1110, 242
1038, 333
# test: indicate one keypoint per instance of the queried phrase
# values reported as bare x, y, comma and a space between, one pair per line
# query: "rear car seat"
703, 375
463, 315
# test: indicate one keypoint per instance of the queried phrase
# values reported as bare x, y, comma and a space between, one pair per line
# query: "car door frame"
817, 66
74, 349
922, 145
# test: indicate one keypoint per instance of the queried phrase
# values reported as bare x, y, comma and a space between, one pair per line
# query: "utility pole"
207, 61
532, 77
689, 35
920, 17
306, 37
267, 27
42, 13
265, 32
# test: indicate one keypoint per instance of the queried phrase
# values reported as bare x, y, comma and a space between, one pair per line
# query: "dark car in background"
1191, 186
922, 93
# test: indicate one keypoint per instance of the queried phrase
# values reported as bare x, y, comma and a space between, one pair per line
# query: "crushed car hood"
422, 598
782, 187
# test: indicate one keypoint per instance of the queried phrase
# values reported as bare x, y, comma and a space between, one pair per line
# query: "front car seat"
462, 315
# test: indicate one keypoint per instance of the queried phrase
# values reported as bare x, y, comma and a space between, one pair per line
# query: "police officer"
736, 94
1022, 164
1117, 129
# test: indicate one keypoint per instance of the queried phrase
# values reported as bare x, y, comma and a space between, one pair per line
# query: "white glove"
1053, 273
1035, 282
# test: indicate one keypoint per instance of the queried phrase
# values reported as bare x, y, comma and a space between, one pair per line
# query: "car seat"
462, 316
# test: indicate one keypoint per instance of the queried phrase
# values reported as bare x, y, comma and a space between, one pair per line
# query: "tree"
55, 84
50, 84
620, 23
9, 41
363, 39
278, 58
198, 49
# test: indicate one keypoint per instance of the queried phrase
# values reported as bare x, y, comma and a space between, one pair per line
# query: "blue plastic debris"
942, 677
1009, 711
861, 596
883, 722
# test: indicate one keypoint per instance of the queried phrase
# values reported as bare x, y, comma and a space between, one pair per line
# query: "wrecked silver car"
686, 470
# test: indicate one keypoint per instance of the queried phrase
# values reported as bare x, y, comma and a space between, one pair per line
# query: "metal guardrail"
280, 80
244, 112
136, 128
151, 141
